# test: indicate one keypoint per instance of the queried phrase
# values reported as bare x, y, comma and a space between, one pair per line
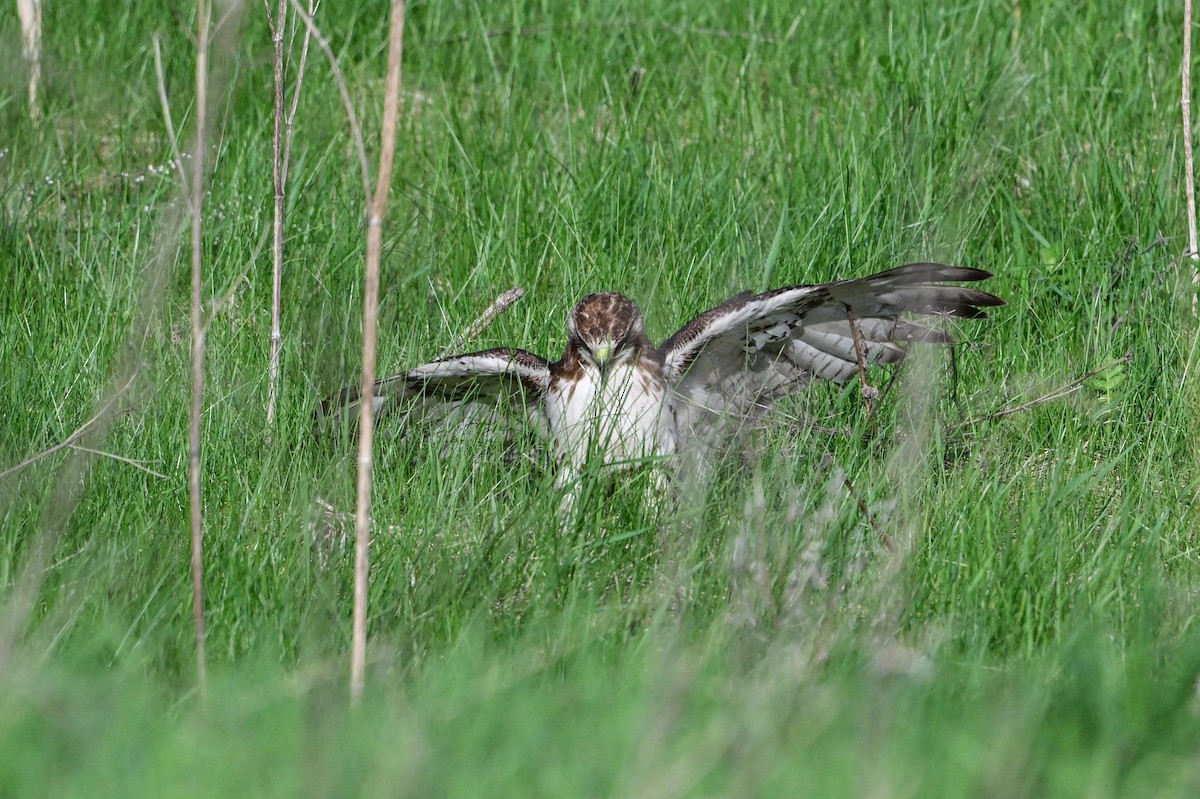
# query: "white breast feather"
623, 418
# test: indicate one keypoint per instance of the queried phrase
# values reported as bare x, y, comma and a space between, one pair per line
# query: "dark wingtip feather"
931, 271
924, 287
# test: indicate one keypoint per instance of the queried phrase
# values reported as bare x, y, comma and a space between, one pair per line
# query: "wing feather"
460, 389
818, 362
755, 348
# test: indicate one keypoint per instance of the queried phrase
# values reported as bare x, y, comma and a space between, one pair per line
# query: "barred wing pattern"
462, 390
729, 364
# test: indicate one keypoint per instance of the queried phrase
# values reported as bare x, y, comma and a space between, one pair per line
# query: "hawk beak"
602, 354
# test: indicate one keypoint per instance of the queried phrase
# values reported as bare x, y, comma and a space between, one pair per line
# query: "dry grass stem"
884, 538
166, 109
869, 392
277, 27
134, 463
18, 609
30, 13
281, 154
1057, 393
1159, 241
75, 436
197, 521
387, 151
498, 306
289, 124
1189, 178
340, 79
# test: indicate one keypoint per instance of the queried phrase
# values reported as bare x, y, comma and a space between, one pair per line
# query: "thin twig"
884, 538
291, 117
340, 79
1159, 278
281, 152
362, 539
869, 392
166, 109
79, 431
498, 306
1061, 391
134, 463
1189, 178
18, 607
197, 520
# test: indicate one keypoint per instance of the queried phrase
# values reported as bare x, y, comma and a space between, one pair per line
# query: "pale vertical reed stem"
387, 150
30, 13
277, 28
1189, 178
198, 347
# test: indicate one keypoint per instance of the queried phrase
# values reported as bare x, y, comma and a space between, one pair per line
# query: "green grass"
1030, 633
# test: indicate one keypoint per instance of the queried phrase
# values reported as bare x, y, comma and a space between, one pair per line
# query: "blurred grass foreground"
1030, 630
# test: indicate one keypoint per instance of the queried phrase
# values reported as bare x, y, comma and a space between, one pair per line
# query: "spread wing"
737, 358
462, 390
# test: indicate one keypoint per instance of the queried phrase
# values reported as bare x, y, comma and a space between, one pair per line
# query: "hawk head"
607, 329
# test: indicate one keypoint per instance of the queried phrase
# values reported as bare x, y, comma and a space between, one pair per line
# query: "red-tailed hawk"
614, 394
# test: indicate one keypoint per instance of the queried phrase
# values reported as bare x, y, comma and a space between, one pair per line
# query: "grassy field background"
1030, 633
